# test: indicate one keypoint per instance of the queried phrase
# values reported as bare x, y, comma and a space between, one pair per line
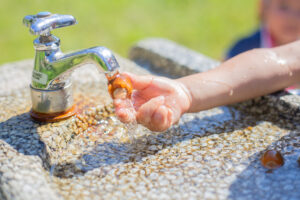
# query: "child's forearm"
246, 76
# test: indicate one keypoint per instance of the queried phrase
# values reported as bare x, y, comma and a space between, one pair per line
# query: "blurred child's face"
282, 19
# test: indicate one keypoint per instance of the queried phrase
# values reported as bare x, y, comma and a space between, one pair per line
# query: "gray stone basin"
213, 154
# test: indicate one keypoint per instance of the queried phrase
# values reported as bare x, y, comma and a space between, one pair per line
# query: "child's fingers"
146, 111
139, 82
126, 115
160, 119
124, 110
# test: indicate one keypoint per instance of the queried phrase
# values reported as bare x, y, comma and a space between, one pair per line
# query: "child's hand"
156, 102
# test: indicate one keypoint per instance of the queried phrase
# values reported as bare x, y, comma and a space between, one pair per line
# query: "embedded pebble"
272, 159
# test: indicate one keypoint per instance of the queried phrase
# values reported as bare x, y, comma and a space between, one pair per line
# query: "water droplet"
219, 83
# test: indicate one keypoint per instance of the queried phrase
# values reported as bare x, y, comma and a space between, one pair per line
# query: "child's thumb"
139, 82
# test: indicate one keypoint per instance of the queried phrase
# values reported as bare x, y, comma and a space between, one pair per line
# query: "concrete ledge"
164, 57
23, 183
212, 154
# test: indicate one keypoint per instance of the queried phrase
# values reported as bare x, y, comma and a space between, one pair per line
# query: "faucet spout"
57, 67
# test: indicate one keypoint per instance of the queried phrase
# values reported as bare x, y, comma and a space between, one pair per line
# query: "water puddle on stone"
97, 138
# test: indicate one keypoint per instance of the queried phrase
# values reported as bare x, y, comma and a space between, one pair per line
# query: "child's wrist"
188, 97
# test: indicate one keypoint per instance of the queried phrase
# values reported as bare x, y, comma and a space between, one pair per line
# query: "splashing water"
132, 126
120, 93
132, 132
123, 92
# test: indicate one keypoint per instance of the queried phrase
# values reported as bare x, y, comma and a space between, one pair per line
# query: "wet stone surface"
213, 154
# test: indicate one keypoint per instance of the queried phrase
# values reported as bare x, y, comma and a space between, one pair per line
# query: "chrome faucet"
51, 88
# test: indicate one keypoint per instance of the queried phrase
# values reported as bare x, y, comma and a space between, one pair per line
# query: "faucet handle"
44, 22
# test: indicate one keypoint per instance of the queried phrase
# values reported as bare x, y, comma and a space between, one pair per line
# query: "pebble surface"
214, 154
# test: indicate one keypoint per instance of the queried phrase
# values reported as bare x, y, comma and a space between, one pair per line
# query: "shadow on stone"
255, 182
217, 121
20, 133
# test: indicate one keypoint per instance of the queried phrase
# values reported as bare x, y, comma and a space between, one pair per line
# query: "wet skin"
159, 102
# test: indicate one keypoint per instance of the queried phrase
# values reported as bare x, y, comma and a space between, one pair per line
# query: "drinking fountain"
51, 86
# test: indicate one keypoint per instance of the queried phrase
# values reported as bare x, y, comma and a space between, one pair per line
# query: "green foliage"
208, 26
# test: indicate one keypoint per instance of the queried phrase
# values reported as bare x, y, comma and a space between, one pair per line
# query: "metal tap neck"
47, 43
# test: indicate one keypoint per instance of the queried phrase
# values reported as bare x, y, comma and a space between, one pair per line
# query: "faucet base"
53, 117
49, 101
52, 105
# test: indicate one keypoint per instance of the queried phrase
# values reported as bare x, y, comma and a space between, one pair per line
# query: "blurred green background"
207, 26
